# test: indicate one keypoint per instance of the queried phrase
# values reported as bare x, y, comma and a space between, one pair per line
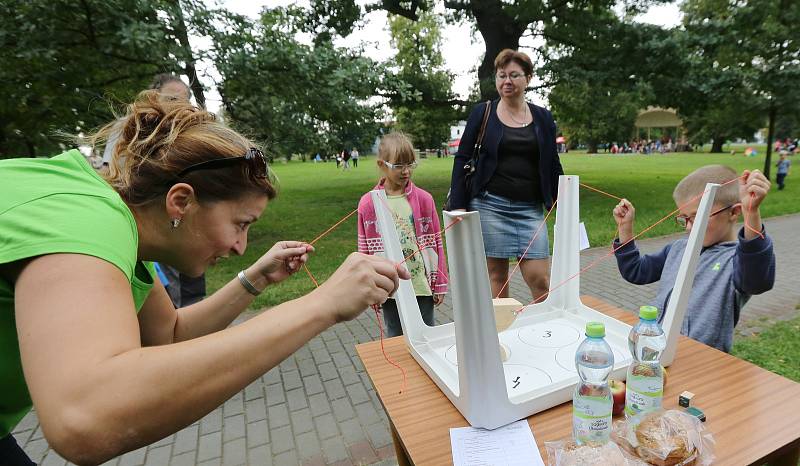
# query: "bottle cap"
648, 312
595, 329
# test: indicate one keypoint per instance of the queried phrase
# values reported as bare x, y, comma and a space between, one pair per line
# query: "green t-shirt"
57, 205
404, 221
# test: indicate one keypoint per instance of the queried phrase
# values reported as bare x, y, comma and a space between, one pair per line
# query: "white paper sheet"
511, 445
584, 238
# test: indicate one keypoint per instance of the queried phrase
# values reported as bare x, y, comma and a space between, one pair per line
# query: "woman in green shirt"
91, 340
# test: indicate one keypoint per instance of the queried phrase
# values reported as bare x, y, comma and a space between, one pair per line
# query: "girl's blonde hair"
396, 147
159, 137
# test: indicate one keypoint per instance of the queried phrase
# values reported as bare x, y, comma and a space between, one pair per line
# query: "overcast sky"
462, 51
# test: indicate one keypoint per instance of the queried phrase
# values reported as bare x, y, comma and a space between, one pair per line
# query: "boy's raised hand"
624, 214
753, 188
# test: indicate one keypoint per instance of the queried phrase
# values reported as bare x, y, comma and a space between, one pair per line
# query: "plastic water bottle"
591, 403
645, 382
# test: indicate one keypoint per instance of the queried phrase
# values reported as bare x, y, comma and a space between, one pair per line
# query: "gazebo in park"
659, 122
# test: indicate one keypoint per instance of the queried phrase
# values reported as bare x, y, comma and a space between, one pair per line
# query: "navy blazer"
549, 163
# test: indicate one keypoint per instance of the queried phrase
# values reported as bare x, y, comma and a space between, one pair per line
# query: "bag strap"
479, 141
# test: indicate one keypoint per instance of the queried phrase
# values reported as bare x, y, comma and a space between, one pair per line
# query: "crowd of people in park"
642, 146
91, 335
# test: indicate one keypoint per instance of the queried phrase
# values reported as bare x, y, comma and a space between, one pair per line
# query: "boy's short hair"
695, 183
397, 148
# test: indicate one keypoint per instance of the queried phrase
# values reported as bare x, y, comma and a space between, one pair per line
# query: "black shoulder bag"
472, 163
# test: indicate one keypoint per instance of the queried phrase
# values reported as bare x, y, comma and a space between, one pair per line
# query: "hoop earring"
175, 222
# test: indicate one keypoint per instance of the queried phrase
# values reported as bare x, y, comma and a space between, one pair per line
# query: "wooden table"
753, 414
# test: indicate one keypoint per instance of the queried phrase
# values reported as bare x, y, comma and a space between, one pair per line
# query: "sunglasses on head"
254, 158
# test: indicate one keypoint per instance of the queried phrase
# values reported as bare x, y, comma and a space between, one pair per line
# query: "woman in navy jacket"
516, 177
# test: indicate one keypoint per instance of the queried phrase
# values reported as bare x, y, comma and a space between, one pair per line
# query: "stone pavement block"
287, 458
328, 371
278, 416
255, 410
334, 450
234, 453
296, 399
349, 375
183, 459
133, 458
291, 380
313, 384
301, 421
334, 388
37, 434
363, 453
159, 456
367, 414
210, 446
273, 376
275, 394
164, 441
22, 437
212, 422
254, 390
53, 459
358, 394
307, 367
282, 439
315, 344
211, 462
36, 449
257, 433
186, 440
379, 434
260, 455
29, 422
308, 445
326, 426
352, 431
321, 355
334, 346
319, 404
233, 428
342, 409
234, 406
341, 359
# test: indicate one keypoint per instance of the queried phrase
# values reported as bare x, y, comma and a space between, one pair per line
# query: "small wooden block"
505, 312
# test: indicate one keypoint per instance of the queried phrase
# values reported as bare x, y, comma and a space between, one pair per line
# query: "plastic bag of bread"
568, 453
666, 438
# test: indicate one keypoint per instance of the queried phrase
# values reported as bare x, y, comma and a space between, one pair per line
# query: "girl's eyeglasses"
254, 158
399, 167
684, 220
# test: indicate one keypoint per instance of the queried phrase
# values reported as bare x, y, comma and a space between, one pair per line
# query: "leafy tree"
296, 97
421, 67
61, 59
760, 40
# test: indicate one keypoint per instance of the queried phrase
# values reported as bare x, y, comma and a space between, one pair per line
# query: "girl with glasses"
87, 334
417, 222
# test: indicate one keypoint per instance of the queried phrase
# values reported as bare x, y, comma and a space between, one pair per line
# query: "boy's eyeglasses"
684, 220
254, 158
513, 76
399, 167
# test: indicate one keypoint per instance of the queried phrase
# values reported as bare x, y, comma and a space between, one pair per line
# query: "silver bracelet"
247, 284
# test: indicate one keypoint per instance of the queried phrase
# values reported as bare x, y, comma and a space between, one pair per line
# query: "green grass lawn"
315, 196
776, 349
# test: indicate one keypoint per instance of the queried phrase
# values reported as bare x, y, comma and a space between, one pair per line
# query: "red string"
333, 227
376, 308
601, 192
305, 267
541, 224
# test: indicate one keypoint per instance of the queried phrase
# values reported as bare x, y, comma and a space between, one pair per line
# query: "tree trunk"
770, 134
591, 147
716, 144
188, 68
499, 31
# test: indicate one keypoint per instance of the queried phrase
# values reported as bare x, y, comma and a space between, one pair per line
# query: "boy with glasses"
732, 266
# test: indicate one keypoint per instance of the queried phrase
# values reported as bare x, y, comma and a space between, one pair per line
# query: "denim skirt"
508, 226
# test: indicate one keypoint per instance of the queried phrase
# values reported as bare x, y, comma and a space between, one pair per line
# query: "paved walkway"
318, 407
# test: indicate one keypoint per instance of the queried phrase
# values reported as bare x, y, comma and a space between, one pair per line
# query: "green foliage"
294, 97
424, 114
61, 59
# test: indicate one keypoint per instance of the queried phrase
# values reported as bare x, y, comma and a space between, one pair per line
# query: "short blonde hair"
396, 147
695, 183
